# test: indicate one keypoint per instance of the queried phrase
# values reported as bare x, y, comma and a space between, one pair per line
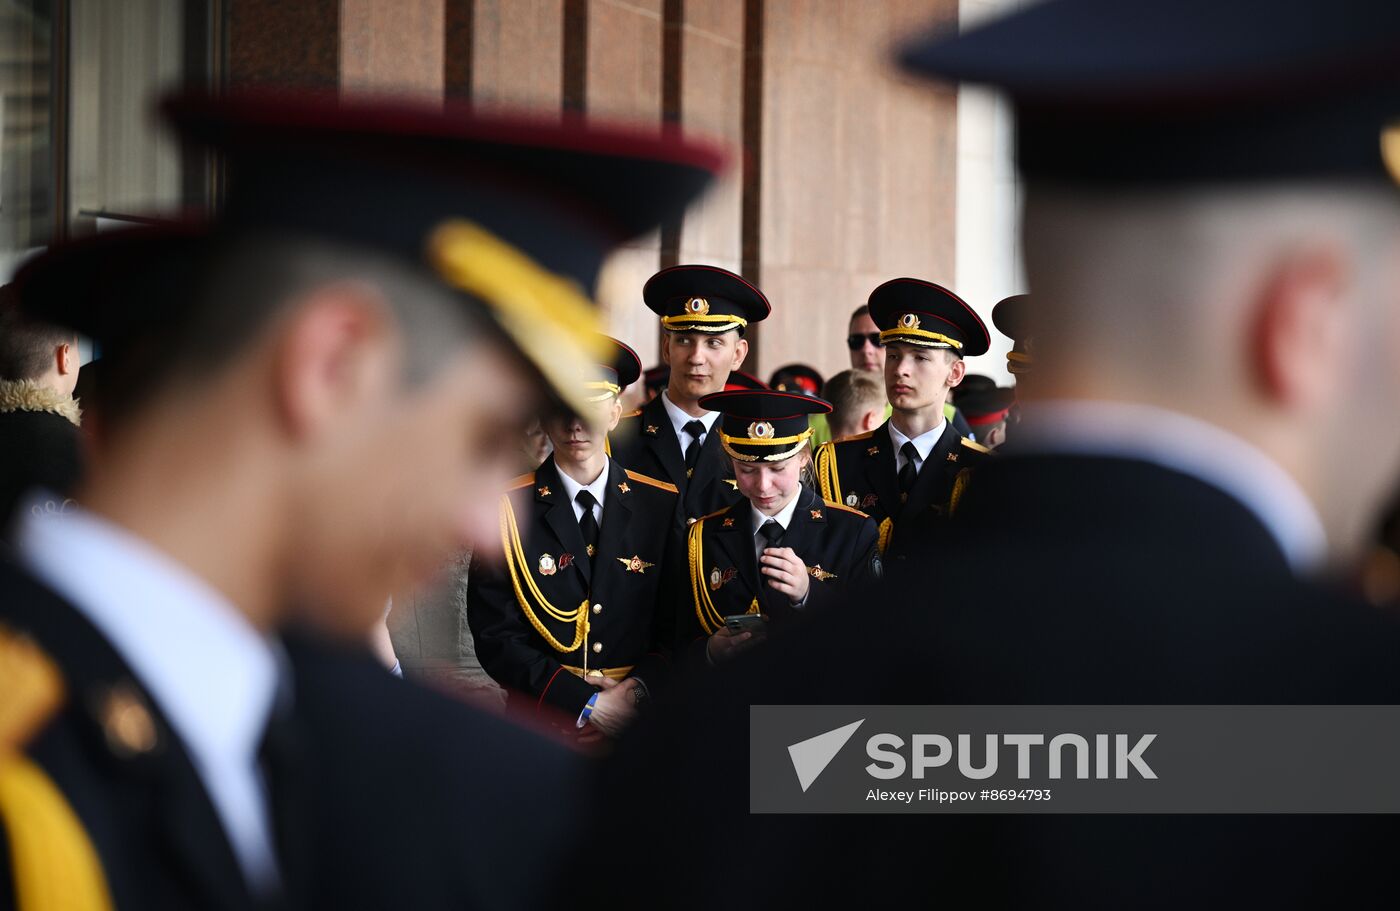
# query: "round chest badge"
547, 567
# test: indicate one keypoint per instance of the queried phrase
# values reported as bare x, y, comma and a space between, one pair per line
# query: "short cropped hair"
852, 393
26, 346
242, 285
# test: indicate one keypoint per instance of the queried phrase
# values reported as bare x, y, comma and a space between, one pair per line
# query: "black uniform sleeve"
509, 648
865, 570
655, 668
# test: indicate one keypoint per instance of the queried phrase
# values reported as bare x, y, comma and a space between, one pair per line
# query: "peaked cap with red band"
919, 312
704, 299
763, 425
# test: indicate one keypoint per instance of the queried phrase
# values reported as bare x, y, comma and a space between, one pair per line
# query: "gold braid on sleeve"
710, 618
827, 476
520, 573
886, 529
959, 486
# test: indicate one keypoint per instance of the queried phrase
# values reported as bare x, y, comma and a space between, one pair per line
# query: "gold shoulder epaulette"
631, 414
647, 479
51, 855
974, 445
32, 686
859, 436
832, 504
524, 480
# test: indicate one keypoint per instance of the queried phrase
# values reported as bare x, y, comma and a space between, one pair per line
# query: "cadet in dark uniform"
575, 616
293, 426
908, 472
989, 412
704, 311
782, 550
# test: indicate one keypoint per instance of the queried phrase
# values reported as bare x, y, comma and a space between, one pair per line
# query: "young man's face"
868, 355
918, 377
769, 486
412, 478
579, 437
701, 362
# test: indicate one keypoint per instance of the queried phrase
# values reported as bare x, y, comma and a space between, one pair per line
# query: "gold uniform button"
597, 608
127, 722
597, 647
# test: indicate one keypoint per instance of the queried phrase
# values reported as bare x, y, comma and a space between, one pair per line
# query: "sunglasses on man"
857, 342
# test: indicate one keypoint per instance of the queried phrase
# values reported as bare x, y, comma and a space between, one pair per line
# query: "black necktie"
696, 429
773, 599
587, 523
909, 473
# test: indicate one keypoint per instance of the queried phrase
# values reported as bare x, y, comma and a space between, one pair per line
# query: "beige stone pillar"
858, 169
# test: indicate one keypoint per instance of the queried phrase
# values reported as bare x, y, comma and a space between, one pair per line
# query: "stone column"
858, 171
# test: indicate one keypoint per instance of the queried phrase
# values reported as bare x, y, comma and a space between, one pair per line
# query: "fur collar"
27, 395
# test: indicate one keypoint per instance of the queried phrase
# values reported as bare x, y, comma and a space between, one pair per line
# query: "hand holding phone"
746, 623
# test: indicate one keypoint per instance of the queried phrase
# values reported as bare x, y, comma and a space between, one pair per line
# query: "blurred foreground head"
1212, 224
317, 399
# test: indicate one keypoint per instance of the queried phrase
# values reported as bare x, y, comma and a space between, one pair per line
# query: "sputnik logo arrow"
810, 757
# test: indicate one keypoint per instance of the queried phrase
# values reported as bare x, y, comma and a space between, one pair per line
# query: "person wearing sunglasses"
863, 341
908, 472
868, 353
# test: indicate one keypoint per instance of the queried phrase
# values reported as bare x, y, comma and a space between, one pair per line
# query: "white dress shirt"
599, 489
679, 419
923, 444
1191, 447
210, 673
